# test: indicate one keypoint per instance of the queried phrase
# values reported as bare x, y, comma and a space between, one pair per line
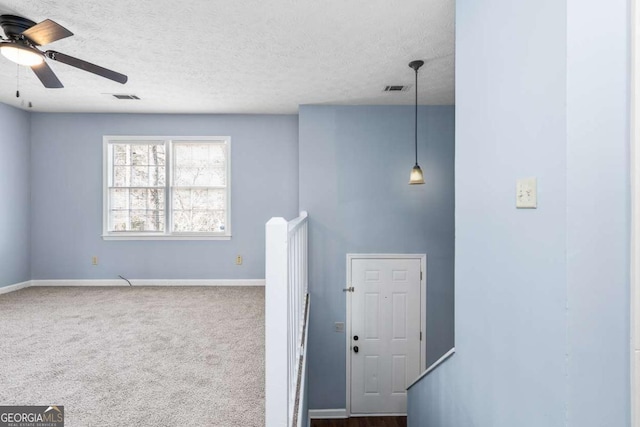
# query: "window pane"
182, 199
121, 176
145, 176
144, 198
199, 164
156, 198
184, 176
208, 221
119, 220
182, 221
182, 156
213, 177
138, 199
140, 155
155, 221
120, 154
156, 176
218, 155
137, 220
196, 198
196, 154
199, 176
144, 220
139, 176
209, 199
118, 198
156, 155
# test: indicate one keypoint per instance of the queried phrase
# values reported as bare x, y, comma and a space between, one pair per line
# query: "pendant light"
416, 176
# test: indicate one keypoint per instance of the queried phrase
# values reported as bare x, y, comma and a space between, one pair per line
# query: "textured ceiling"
242, 56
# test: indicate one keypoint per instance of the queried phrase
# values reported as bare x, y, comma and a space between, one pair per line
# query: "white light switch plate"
526, 193
339, 326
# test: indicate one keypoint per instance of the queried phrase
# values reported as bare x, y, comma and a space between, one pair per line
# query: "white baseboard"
326, 414
15, 287
238, 282
148, 282
393, 414
76, 282
134, 282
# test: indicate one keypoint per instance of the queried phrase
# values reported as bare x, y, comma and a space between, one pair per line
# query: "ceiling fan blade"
87, 66
46, 32
46, 76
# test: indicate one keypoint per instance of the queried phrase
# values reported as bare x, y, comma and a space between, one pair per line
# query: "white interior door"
385, 333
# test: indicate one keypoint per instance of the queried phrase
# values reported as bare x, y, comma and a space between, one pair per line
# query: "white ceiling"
239, 56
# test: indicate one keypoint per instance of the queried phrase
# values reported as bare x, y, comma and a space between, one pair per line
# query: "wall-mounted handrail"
433, 366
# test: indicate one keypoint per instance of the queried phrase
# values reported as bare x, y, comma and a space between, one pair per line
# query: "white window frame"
167, 234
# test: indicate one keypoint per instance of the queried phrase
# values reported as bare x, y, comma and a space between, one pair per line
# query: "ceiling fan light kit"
23, 37
20, 54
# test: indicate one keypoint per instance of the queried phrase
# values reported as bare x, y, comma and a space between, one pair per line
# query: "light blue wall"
541, 295
66, 165
354, 172
14, 196
598, 212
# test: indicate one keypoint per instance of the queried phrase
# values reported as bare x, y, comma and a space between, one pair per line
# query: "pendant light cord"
416, 119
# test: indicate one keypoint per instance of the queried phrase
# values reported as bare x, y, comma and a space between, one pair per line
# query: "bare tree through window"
140, 190
199, 187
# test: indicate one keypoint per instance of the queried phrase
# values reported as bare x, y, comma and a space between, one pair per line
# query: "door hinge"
420, 335
420, 275
349, 289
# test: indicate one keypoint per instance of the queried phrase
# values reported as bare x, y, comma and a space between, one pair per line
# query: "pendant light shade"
416, 176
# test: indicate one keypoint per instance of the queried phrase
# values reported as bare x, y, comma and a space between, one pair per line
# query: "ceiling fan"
23, 37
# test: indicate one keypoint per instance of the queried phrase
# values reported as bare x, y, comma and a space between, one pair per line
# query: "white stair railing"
286, 313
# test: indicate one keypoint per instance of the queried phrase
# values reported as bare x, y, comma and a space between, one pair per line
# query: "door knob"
355, 349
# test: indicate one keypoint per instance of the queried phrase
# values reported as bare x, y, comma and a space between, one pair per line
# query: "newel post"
276, 323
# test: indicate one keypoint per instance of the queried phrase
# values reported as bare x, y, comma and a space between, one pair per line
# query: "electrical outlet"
94, 260
239, 260
339, 326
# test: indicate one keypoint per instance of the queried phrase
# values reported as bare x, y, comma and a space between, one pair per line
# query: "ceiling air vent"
125, 96
396, 88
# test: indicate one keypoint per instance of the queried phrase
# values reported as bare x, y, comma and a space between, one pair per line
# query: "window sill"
164, 237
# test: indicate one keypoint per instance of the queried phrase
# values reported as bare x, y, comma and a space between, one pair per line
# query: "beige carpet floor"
136, 356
